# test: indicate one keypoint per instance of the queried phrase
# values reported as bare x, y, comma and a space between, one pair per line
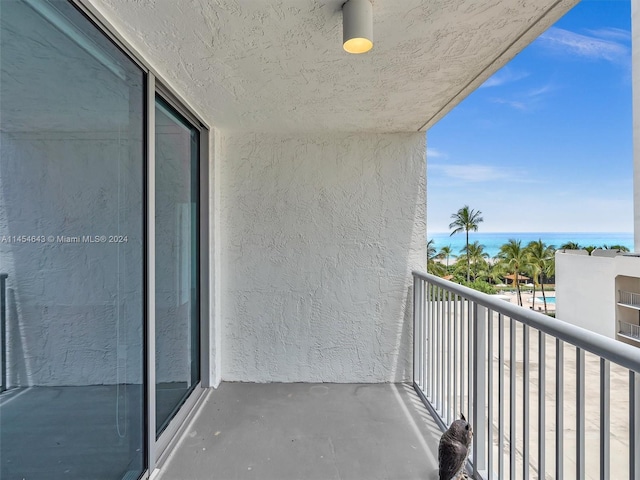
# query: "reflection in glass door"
71, 248
177, 312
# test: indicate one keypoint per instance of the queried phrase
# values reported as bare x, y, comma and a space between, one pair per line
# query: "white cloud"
565, 41
612, 33
503, 76
474, 173
536, 92
526, 100
512, 103
435, 153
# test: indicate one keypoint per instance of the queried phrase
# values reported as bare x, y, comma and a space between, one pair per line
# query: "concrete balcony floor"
307, 431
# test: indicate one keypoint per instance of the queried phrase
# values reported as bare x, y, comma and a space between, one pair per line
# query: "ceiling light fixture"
357, 26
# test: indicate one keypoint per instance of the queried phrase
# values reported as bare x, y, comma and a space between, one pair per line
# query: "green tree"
514, 258
475, 255
433, 267
497, 272
465, 220
570, 246
540, 256
620, 248
446, 252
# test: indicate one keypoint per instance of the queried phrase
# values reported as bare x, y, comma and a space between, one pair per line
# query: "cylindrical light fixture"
357, 26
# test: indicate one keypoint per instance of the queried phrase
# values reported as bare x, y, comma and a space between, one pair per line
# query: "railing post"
479, 391
416, 340
3, 330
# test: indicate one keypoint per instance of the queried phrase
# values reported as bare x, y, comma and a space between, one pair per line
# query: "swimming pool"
549, 300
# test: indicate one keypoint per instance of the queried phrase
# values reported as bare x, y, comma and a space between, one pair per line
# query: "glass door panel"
71, 248
177, 311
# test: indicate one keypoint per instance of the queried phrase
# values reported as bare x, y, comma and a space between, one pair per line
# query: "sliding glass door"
80, 340
176, 246
71, 247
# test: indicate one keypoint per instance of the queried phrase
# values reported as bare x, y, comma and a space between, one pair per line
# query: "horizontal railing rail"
473, 353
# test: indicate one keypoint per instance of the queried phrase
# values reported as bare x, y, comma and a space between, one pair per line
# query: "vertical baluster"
512, 398
580, 460
416, 333
455, 356
439, 354
462, 351
426, 339
447, 377
559, 409
469, 366
525, 396
490, 394
501, 406
605, 419
432, 346
541, 405
479, 390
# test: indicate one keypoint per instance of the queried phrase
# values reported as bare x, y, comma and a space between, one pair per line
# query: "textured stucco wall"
319, 235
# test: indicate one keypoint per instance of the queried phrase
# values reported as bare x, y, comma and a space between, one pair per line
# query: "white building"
601, 292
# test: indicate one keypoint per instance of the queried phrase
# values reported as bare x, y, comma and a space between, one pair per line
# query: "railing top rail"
625, 355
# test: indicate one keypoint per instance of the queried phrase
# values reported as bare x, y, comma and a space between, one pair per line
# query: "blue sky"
545, 145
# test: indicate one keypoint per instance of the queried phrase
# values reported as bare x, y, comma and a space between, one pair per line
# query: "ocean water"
493, 241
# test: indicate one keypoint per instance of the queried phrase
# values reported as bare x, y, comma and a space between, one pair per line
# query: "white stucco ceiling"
259, 65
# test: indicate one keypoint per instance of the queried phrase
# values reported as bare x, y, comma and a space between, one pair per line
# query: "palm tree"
475, 254
445, 252
433, 267
515, 259
496, 272
464, 220
431, 249
570, 246
620, 248
540, 256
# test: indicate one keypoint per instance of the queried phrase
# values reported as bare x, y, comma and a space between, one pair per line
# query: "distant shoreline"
492, 241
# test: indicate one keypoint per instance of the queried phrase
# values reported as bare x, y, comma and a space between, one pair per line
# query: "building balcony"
629, 299
629, 330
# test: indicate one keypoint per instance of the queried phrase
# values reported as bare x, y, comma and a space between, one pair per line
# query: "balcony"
629, 330
537, 391
629, 299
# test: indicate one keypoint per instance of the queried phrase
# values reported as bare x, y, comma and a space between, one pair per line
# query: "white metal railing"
629, 329
629, 298
473, 354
